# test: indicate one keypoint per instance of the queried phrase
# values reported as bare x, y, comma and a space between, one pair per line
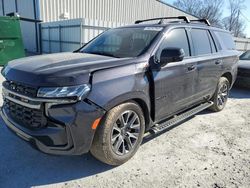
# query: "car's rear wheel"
221, 95
120, 134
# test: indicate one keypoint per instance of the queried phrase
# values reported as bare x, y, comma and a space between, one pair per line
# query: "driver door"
174, 83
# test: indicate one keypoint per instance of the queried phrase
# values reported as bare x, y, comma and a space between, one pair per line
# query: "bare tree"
211, 10
233, 22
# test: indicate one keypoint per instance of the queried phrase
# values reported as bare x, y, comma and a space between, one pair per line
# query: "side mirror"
169, 55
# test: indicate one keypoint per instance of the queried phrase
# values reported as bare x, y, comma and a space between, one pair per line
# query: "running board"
179, 118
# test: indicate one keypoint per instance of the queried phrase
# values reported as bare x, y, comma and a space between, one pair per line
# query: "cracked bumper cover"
69, 130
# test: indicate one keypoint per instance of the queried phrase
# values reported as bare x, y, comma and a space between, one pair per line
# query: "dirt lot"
210, 150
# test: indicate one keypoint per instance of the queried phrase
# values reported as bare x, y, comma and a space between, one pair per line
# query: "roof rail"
202, 20
164, 18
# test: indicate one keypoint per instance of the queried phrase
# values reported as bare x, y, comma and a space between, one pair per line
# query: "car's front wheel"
221, 95
119, 135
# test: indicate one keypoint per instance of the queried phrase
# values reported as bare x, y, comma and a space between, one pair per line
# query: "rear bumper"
69, 130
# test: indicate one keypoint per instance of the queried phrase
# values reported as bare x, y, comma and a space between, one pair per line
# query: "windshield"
245, 56
122, 42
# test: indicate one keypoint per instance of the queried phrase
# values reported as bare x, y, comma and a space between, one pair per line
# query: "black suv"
127, 81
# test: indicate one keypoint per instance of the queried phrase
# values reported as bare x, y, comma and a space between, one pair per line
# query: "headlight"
64, 92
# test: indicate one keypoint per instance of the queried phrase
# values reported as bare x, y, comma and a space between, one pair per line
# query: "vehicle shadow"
22, 166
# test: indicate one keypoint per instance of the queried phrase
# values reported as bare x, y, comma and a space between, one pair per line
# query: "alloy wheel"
222, 95
125, 132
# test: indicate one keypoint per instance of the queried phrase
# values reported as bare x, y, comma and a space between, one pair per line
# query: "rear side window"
226, 40
177, 38
201, 41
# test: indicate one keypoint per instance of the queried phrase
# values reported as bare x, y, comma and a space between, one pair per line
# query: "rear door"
208, 62
174, 83
227, 50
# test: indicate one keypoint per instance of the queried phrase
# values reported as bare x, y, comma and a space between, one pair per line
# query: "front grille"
26, 117
20, 88
244, 72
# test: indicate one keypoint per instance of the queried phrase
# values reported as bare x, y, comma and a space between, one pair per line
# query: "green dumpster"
11, 44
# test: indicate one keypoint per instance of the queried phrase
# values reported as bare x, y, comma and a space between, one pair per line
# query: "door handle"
190, 68
218, 62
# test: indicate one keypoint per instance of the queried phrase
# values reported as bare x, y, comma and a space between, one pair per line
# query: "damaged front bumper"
67, 126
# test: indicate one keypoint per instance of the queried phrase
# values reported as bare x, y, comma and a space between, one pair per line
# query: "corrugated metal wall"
9, 6
61, 36
25, 8
96, 16
242, 44
69, 35
125, 11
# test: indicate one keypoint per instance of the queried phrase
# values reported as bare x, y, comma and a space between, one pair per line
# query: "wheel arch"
137, 97
228, 76
145, 111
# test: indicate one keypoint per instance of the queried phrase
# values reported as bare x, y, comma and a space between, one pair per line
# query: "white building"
120, 11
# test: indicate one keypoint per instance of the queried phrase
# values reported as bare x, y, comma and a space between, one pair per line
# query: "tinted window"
226, 40
177, 38
200, 41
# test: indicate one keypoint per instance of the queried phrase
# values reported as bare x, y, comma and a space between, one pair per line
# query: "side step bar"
179, 118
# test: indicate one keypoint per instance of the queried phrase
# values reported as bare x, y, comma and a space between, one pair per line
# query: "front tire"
221, 95
119, 135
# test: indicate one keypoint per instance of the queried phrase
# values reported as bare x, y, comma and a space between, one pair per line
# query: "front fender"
114, 86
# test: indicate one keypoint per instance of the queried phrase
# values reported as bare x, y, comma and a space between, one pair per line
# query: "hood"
62, 69
244, 64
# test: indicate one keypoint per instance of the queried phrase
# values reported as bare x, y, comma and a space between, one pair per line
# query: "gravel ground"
209, 150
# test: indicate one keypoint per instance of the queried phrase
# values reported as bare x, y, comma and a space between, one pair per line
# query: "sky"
245, 12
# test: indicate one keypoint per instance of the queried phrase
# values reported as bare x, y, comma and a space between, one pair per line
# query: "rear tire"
221, 95
119, 135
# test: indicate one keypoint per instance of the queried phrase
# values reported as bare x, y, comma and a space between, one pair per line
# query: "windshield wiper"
103, 53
